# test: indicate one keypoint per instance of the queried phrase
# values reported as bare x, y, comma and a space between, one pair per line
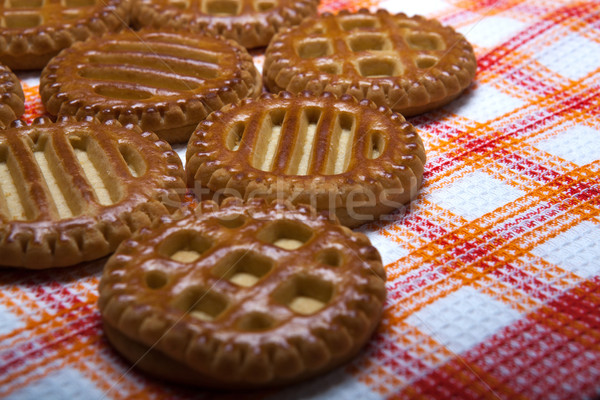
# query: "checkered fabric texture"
493, 271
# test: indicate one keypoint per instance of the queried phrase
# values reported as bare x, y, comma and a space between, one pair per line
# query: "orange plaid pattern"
493, 272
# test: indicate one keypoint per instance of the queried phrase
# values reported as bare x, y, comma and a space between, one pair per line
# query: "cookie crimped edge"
12, 98
39, 245
433, 89
318, 191
32, 48
140, 330
250, 33
247, 82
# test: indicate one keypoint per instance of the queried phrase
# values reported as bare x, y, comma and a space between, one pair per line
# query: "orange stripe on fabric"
472, 231
39, 322
468, 377
503, 140
30, 369
33, 103
338, 5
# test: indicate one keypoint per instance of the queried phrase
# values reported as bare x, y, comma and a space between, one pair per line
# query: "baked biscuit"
72, 191
250, 22
163, 81
410, 64
243, 297
12, 99
347, 157
34, 31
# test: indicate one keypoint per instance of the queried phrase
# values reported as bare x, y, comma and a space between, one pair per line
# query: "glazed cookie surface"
350, 158
245, 296
249, 22
12, 99
410, 64
72, 191
163, 81
34, 31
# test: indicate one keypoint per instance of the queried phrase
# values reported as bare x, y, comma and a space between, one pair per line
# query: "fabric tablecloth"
493, 271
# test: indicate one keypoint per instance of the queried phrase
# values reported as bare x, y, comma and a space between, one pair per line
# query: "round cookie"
12, 99
350, 158
410, 64
163, 81
34, 31
244, 296
72, 191
249, 22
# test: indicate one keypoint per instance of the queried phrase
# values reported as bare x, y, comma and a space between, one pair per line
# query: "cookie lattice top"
34, 31
23, 14
250, 22
336, 52
223, 8
251, 278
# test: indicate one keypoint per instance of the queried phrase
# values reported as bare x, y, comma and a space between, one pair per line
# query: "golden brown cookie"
350, 158
244, 296
163, 81
72, 191
249, 22
410, 64
12, 99
34, 31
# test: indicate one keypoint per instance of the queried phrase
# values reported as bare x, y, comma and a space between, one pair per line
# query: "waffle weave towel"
494, 271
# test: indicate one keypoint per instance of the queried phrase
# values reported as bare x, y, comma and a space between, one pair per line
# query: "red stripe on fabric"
492, 59
525, 167
38, 347
417, 279
530, 83
582, 306
57, 298
480, 8
520, 280
398, 360
457, 380
474, 255
475, 249
553, 353
425, 228
491, 143
436, 126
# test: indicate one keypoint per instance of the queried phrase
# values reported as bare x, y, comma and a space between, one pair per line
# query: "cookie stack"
259, 282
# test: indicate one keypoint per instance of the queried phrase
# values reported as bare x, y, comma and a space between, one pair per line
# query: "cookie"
34, 31
410, 64
12, 99
244, 296
72, 191
163, 81
249, 22
350, 158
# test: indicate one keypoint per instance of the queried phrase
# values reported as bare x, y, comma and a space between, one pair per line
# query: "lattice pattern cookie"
12, 99
411, 65
34, 31
352, 159
250, 22
72, 191
246, 296
163, 81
